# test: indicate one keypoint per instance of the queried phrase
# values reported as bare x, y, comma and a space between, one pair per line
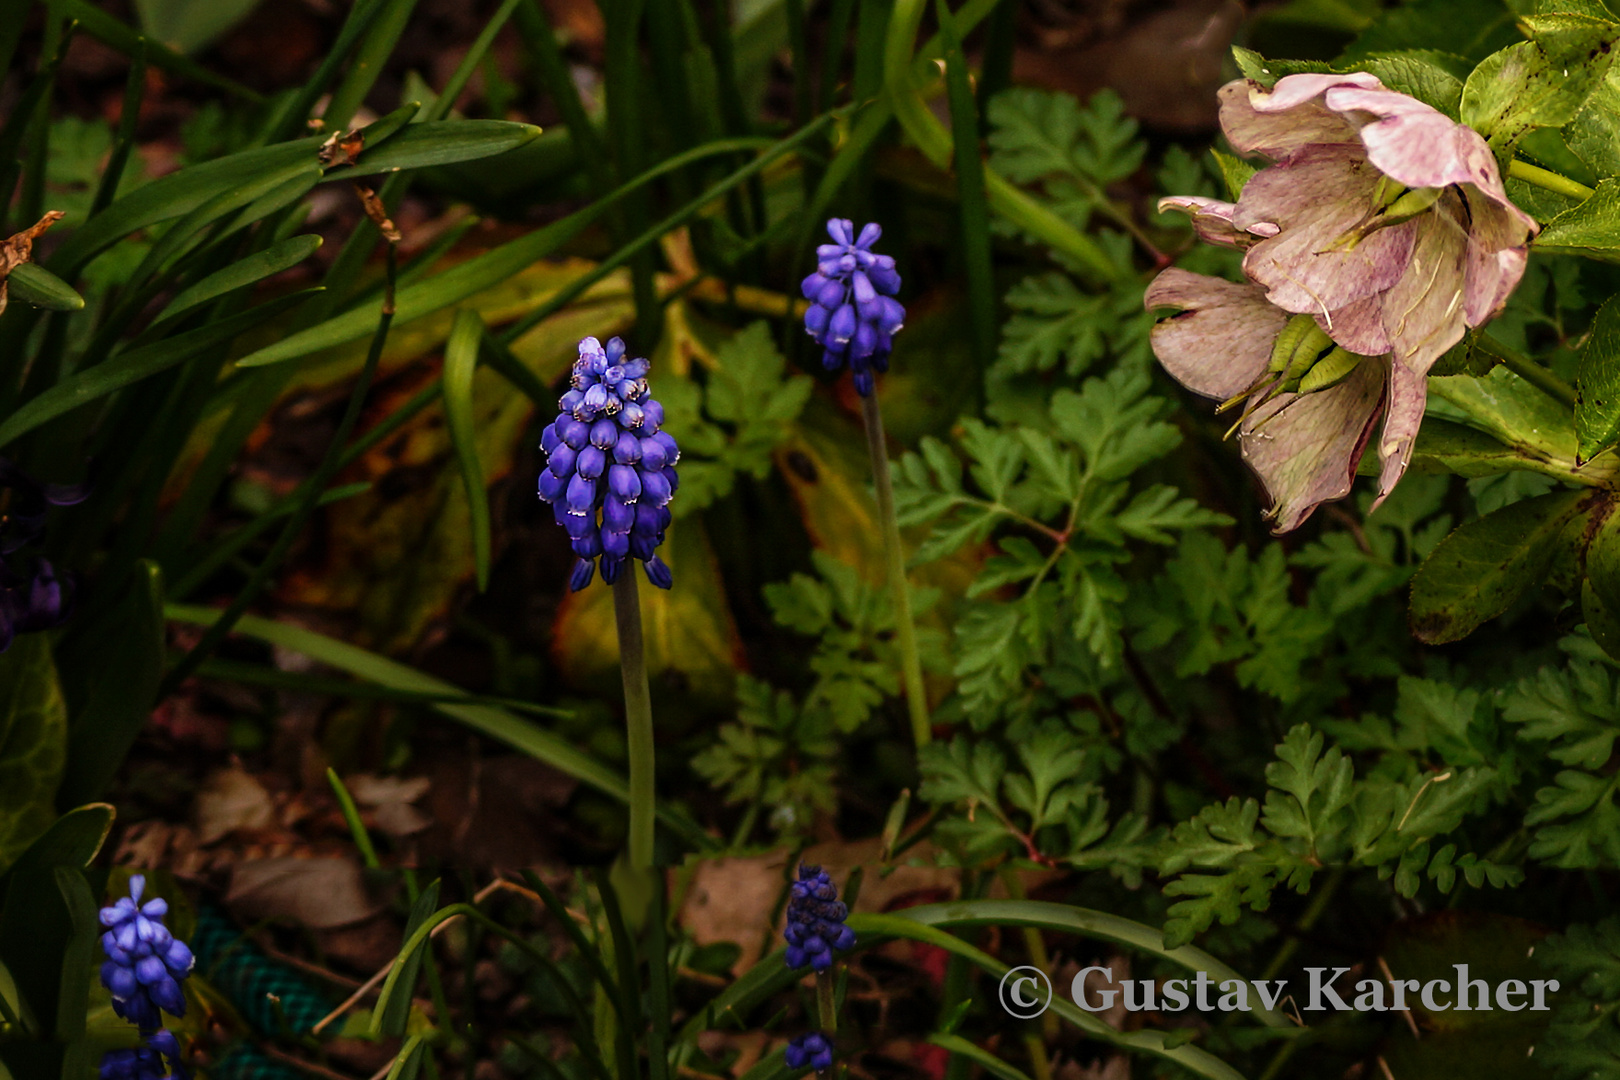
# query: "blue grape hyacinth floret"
815, 921
158, 1058
813, 1049
145, 962
853, 314
610, 469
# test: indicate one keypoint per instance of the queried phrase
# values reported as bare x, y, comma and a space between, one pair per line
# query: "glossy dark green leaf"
1543, 82
39, 287
180, 193
33, 743
35, 926
137, 364
1597, 377
188, 25
442, 142
254, 268
383, 128
408, 1062
79, 963
1481, 568
108, 30
111, 669
460, 364
394, 1013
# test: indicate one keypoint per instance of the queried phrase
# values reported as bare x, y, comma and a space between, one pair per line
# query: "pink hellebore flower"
1304, 447
1383, 220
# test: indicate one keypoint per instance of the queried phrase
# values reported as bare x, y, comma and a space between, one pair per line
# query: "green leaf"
1422, 74
188, 25
1235, 172
1574, 707
182, 192
79, 962
437, 142
1449, 447
1580, 823
1477, 572
391, 1019
1543, 82
248, 271
1310, 787
496, 723
33, 743
130, 367
110, 671
460, 364
408, 1062
1587, 228
110, 31
1594, 134
38, 287
1583, 1040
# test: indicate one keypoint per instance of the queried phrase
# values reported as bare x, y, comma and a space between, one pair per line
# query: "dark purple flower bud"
584, 569
891, 316
614, 350
640, 545
561, 462
627, 449
579, 525
618, 516
654, 487
590, 463
551, 485
864, 383
615, 545
671, 478
865, 342
611, 568
649, 519
842, 325
871, 233
811, 286
549, 439
604, 433
581, 495
631, 416
672, 450
831, 361
653, 454
570, 402
831, 294
596, 399
588, 546
658, 573
652, 416
812, 1049
815, 320
864, 293
623, 482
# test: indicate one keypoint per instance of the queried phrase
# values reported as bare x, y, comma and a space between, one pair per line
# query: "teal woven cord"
249, 979
247, 1062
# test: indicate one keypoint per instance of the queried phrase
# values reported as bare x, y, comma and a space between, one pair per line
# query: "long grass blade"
973, 207
460, 364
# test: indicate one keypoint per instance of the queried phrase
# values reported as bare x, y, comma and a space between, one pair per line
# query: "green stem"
1527, 369
827, 1002
1318, 905
905, 631
1548, 180
637, 717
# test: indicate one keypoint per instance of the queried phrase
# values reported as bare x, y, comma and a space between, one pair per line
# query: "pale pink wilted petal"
1412, 142
1212, 220
1315, 198
1423, 310
1304, 448
1408, 396
1497, 255
1252, 131
1221, 342
1359, 327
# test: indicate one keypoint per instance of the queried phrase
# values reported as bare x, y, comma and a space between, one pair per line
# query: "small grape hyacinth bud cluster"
853, 314
815, 921
610, 469
813, 1049
145, 965
157, 1058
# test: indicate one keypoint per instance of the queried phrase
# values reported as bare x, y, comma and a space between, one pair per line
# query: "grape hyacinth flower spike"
853, 314
815, 921
610, 468
813, 1049
145, 965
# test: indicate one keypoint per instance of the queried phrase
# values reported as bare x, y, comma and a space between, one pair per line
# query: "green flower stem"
1548, 180
827, 1002
905, 631
637, 716
1527, 369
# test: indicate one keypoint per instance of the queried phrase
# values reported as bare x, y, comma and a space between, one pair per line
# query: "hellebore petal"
1253, 123
1314, 199
1408, 396
1221, 342
1212, 221
1305, 447
1423, 309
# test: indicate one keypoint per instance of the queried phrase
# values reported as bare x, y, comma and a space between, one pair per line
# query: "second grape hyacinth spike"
853, 314
610, 466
